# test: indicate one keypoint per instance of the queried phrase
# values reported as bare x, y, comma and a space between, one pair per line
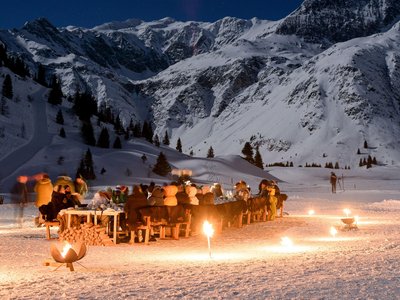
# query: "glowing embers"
68, 254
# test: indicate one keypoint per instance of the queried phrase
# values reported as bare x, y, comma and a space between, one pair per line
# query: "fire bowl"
348, 221
66, 253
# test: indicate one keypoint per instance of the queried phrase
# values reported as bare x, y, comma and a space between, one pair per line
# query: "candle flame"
356, 218
208, 229
333, 231
311, 212
65, 249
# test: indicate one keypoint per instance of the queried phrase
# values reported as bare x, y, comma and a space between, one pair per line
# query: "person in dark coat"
333, 181
134, 201
19, 197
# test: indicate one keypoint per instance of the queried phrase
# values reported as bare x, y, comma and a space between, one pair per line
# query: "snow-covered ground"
246, 263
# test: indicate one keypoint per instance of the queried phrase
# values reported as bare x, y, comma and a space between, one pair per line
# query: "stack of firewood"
87, 233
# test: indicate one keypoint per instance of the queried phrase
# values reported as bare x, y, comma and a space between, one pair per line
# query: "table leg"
115, 229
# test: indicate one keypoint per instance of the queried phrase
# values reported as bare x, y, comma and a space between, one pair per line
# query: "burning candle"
209, 232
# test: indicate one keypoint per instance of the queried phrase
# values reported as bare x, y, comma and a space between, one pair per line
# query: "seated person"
134, 201
118, 197
100, 201
241, 191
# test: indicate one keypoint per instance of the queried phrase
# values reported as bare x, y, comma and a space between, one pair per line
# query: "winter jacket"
43, 189
134, 201
157, 197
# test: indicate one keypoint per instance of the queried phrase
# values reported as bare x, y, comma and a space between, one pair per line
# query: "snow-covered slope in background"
296, 95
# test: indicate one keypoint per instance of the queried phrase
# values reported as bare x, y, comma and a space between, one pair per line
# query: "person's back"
44, 191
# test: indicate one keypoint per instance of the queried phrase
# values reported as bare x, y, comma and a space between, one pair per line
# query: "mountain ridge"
224, 83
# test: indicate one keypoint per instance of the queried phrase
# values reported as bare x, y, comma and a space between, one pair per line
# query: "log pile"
91, 235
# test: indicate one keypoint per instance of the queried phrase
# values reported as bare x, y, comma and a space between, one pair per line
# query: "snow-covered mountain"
289, 86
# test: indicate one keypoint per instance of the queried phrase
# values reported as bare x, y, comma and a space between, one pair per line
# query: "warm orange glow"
333, 231
347, 211
311, 212
286, 242
65, 249
208, 229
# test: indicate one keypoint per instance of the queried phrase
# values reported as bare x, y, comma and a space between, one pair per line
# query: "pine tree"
60, 117
365, 145
210, 153
360, 163
62, 132
358, 151
374, 162
336, 165
156, 141
55, 94
118, 128
258, 162
166, 139
191, 153
162, 166
369, 162
41, 75
85, 105
4, 110
248, 152
88, 133
89, 166
179, 145
104, 139
117, 143
7, 87
137, 132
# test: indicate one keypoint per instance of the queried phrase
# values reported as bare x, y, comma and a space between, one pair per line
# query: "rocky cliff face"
340, 20
221, 84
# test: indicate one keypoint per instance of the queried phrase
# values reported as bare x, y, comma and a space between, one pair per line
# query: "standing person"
273, 200
43, 189
19, 196
333, 181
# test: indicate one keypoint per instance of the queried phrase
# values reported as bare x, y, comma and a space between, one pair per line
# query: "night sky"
89, 13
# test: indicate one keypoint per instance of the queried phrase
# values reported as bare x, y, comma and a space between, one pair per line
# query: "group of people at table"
51, 199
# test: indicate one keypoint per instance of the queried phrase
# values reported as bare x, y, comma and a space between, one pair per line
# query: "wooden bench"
48, 225
146, 227
176, 228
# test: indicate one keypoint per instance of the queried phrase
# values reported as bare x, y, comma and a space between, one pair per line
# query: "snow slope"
246, 263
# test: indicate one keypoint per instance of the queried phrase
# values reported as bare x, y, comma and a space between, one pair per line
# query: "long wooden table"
89, 213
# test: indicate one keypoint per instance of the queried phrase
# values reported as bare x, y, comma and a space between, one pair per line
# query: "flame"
65, 249
208, 229
286, 242
357, 219
347, 211
333, 231
311, 212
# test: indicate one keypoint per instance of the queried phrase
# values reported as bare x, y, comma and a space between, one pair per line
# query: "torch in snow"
208, 231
